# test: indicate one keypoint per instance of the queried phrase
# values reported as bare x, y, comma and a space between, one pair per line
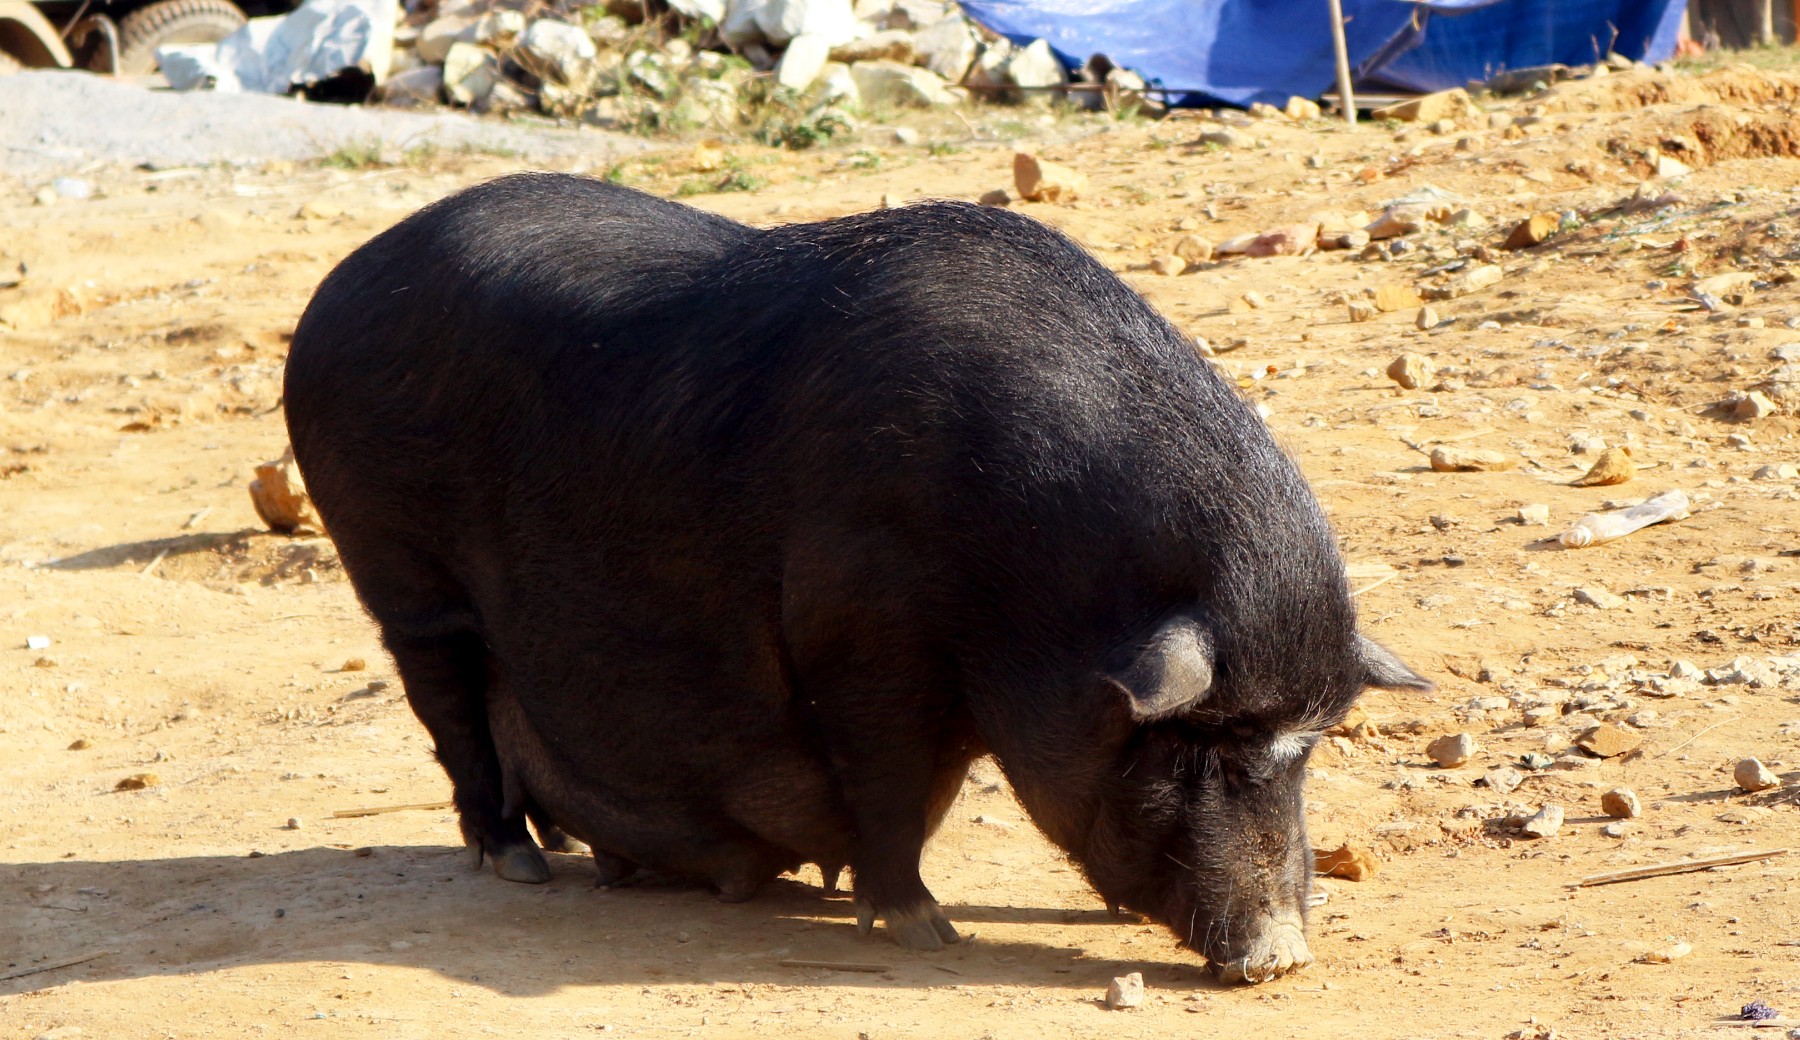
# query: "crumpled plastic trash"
282, 53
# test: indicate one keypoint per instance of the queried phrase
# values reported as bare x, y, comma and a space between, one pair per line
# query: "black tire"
9, 64
172, 21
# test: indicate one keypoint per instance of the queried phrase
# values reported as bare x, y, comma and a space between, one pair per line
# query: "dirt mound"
1738, 85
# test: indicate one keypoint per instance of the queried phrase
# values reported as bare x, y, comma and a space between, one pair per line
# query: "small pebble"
1752, 775
354, 664
1536, 760
1545, 824
1168, 266
1452, 751
1125, 991
37, 642
1616, 829
138, 782
1534, 515
1621, 803
293, 823
1667, 955
80, 744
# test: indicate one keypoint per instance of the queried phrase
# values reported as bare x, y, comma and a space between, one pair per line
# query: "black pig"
726, 549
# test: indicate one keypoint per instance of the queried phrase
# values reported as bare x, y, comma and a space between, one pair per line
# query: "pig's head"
1201, 823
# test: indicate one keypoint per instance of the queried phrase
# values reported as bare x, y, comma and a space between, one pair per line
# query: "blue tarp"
1240, 51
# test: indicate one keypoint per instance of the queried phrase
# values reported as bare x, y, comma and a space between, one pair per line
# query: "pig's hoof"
1271, 955
923, 927
609, 869
522, 863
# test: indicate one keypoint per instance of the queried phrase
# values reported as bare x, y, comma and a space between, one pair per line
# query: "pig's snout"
1274, 947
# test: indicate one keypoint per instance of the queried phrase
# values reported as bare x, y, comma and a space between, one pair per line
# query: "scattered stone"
1544, 824
1411, 371
803, 60
420, 85
1042, 181
470, 73
1503, 779
1472, 280
1667, 166
1752, 775
1445, 104
1752, 405
996, 197
1533, 231
1470, 460
319, 207
1616, 829
37, 642
1125, 991
891, 83
1621, 803
1595, 596
1780, 471
1396, 298
1534, 515
900, 45
1666, 955
1035, 67
1608, 740
1226, 137
1168, 266
293, 823
1362, 310
1347, 862
1453, 750
280, 497
1288, 240
1396, 221
1193, 249
563, 53
1427, 319
1536, 761
947, 47
1614, 466
138, 782
354, 664
79, 744
906, 135
1682, 669
1300, 109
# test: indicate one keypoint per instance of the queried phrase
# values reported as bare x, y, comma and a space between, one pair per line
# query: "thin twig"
1374, 584
198, 516
377, 810
872, 969
1683, 867
1698, 735
40, 969
150, 568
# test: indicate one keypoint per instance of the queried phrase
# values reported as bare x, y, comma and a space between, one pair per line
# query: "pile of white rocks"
700, 65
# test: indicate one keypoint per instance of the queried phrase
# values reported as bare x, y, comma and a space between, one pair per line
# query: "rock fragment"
138, 782
1125, 991
1614, 466
1470, 460
1411, 371
1193, 249
1545, 824
1752, 775
1608, 740
1595, 596
1445, 104
1043, 181
1452, 750
1667, 954
1534, 515
1621, 803
1427, 319
1533, 231
280, 498
1347, 862
1396, 298
1362, 310
1169, 265
1472, 280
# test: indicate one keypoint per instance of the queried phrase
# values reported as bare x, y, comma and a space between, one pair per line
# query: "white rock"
1595, 596
782, 20
1453, 750
802, 62
1534, 515
891, 83
470, 73
37, 642
1036, 66
1125, 991
712, 10
500, 27
1752, 775
947, 47
837, 85
417, 86
1545, 824
557, 50
439, 33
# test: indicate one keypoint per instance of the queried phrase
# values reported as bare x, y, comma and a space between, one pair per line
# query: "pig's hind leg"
437, 645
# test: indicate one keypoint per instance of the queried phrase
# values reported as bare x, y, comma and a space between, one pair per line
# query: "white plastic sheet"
279, 54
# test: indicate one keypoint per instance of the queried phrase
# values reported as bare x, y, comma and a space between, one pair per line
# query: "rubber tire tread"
145, 29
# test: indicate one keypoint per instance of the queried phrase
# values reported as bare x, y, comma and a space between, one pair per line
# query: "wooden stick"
40, 969
1346, 100
1697, 736
1682, 867
1374, 584
198, 516
872, 969
151, 568
377, 810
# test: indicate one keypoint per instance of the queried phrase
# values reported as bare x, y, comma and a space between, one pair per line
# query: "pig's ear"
1168, 672
1381, 668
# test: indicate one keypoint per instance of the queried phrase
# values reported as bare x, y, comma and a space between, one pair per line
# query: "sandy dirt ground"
216, 663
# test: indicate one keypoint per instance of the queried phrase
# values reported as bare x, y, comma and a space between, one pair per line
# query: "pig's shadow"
421, 907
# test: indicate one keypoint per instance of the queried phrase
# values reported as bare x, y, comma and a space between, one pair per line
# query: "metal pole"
1346, 100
